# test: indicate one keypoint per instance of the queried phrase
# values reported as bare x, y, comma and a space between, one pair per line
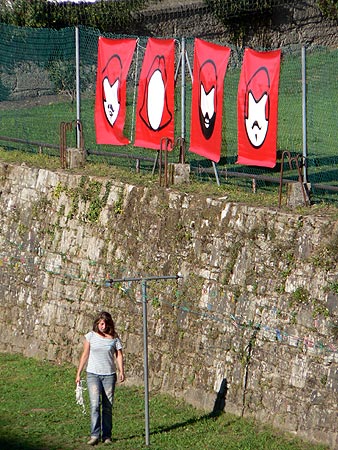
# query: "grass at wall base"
38, 411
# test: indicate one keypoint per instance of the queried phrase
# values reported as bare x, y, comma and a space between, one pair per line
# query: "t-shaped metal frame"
144, 281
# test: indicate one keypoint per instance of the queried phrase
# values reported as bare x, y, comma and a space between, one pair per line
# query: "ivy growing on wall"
119, 16
231, 8
240, 16
329, 8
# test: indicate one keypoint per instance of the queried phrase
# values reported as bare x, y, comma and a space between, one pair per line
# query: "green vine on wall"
90, 193
240, 16
329, 8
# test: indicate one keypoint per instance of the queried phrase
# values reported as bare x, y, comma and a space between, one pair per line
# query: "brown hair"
110, 326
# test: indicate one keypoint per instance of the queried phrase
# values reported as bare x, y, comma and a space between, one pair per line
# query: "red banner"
114, 59
257, 108
155, 101
210, 64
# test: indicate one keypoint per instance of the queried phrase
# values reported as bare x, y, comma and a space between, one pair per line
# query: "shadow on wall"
220, 399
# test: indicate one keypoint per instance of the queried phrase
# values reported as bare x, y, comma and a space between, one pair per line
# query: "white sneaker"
93, 441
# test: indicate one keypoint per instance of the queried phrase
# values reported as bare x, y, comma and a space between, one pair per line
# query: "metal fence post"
304, 118
145, 354
183, 90
78, 93
145, 336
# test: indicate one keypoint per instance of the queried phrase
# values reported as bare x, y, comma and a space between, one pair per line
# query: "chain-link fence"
38, 92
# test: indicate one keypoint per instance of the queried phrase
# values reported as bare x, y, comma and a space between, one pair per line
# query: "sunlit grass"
230, 190
38, 411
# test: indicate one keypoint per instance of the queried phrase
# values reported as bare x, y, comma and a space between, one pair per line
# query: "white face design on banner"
111, 102
207, 105
156, 99
256, 124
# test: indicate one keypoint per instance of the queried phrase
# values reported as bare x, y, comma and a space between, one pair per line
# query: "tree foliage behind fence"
37, 93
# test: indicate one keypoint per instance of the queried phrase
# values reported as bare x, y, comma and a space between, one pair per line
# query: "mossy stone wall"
251, 326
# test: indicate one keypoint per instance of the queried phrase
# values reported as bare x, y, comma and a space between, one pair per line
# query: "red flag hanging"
210, 63
257, 108
114, 59
155, 102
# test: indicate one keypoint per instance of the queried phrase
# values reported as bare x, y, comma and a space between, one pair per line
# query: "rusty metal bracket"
166, 143
64, 127
292, 159
181, 142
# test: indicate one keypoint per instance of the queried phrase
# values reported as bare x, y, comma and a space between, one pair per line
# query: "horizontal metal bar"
225, 173
228, 173
145, 278
25, 141
119, 155
88, 151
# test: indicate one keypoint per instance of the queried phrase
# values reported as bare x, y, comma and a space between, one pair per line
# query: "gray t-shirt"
101, 354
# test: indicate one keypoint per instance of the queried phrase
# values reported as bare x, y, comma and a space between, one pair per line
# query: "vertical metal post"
216, 173
183, 90
78, 95
183, 101
304, 118
145, 335
145, 347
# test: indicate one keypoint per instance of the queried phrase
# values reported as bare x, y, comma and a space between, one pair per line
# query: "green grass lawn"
41, 122
234, 192
38, 411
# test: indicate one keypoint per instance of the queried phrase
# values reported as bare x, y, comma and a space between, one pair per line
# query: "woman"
101, 346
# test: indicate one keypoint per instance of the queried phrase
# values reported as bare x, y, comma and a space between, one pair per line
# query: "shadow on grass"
167, 428
12, 443
218, 409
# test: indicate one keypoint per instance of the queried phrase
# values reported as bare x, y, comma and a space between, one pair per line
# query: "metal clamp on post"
181, 142
166, 143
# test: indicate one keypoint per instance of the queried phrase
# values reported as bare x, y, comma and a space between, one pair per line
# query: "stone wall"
292, 23
251, 326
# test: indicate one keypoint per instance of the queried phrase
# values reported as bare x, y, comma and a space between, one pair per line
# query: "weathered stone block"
75, 157
179, 173
298, 195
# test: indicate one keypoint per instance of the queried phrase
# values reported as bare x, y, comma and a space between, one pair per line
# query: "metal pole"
183, 96
146, 278
183, 90
304, 114
145, 334
145, 352
77, 63
216, 173
188, 64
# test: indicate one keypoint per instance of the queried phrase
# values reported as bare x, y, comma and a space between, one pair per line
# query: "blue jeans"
101, 390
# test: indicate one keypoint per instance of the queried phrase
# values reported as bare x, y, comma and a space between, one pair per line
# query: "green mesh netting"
37, 93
